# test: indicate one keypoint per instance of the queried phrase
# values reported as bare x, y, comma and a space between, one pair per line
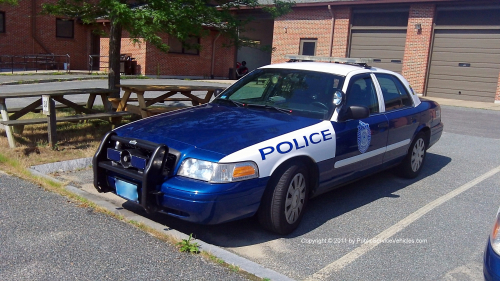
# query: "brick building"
448, 49
25, 32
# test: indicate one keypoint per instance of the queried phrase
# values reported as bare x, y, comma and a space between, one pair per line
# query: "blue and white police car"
279, 136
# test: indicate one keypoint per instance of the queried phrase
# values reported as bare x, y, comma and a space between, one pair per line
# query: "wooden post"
5, 117
49, 109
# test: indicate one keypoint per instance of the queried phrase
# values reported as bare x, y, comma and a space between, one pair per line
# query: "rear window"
395, 94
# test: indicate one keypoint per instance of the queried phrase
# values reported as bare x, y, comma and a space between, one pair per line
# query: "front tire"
414, 160
285, 199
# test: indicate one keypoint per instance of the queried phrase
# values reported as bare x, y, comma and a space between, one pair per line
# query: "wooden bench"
20, 123
48, 99
39, 109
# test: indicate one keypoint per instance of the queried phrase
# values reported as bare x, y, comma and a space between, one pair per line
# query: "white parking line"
337, 265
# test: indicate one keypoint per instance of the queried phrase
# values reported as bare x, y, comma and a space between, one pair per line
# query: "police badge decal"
364, 136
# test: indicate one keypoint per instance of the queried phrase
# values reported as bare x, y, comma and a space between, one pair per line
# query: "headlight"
218, 173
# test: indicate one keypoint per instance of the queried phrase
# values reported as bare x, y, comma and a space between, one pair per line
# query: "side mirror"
338, 97
355, 112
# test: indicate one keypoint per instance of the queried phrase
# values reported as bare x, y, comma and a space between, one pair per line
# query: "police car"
279, 136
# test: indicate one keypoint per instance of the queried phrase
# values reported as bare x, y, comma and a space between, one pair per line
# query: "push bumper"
156, 188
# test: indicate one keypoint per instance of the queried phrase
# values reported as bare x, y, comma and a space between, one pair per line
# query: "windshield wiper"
266, 106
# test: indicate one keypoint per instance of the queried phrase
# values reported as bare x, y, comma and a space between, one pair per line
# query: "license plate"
126, 190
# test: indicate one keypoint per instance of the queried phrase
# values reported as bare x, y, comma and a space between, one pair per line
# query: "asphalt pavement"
43, 236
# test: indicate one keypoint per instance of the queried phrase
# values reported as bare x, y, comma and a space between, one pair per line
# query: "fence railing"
35, 62
95, 62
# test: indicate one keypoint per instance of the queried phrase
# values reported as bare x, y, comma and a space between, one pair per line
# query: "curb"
63, 166
229, 257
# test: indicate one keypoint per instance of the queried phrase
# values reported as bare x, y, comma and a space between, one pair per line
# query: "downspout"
33, 27
213, 56
331, 30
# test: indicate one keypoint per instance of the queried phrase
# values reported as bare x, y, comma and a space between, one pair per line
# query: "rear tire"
414, 160
285, 199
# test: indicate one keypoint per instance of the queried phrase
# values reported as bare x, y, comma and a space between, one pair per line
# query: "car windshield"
296, 92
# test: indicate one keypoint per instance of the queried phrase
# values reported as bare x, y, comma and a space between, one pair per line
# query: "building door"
465, 62
95, 50
380, 35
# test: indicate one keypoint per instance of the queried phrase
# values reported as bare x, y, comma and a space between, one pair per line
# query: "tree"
147, 19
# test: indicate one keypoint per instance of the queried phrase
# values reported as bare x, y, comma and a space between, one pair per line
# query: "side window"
362, 92
395, 94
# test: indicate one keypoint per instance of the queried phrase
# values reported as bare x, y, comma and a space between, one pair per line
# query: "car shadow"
335, 203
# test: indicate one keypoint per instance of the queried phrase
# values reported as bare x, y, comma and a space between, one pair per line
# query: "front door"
360, 144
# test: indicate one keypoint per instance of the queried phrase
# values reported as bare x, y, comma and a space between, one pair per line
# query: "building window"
468, 15
190, 46
372, 17
2, 22
65, 28
308, 47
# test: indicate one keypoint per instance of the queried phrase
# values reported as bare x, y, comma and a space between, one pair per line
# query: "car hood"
218, 129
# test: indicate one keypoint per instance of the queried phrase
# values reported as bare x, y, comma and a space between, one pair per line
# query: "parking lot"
383, 227
387, 228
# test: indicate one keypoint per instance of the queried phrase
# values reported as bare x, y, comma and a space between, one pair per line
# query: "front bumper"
491, 265
158, 189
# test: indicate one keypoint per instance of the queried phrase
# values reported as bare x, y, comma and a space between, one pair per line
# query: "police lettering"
287, 146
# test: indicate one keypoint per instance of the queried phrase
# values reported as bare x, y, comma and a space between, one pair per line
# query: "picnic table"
49, 98
144, 109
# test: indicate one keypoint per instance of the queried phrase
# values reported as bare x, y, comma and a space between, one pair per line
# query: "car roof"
333, 68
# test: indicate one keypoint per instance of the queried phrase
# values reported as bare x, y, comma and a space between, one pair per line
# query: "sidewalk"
464, 103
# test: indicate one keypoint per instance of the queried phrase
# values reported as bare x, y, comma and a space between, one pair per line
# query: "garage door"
386, 47
465, 64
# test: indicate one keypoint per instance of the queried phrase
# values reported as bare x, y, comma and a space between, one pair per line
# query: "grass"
187, 246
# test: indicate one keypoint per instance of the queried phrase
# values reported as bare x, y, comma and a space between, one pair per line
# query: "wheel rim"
295, 198
417, 155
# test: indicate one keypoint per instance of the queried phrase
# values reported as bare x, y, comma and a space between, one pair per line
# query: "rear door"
401, 114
